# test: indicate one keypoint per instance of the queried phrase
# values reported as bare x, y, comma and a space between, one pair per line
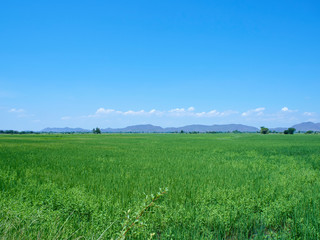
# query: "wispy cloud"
215, 113
310, 114
257, 111
285, 109
134, 113
14, 110
190, 115
175, 112
104, 111
66, 118
20, 113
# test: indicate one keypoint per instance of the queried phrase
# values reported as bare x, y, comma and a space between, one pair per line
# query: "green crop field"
219, 186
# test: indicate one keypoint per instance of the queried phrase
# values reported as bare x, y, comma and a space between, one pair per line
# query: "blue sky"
168, 63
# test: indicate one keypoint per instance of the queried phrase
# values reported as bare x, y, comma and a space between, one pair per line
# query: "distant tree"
264, 130
309, 132
96, 130
194, 132
181, 131
11, 132
289, 131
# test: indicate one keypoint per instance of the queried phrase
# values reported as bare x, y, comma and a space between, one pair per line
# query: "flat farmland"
213, 186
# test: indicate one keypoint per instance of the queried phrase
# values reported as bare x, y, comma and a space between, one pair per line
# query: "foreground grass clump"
221, 186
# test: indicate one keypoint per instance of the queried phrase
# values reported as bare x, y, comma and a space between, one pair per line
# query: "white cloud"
189, 115
287, 110
14, 110
309, 114
228, 113
130, 112
20, 113
212, 113
257, 111
104, 111
215, 113
250, 116
66, 118
200, 114
155, 112
177, 110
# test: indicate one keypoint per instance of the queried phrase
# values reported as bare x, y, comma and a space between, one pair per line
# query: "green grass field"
220, 186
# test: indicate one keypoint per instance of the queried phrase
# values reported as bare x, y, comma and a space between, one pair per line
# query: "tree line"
264, 130
17, 132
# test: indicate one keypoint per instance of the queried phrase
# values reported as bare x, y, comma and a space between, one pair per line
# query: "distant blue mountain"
64, 130
148, 128
306, 126
214, 128
278, 129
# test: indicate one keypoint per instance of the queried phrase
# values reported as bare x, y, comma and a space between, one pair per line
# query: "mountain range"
148, 128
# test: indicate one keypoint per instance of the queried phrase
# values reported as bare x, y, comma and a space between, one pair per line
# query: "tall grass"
221, 186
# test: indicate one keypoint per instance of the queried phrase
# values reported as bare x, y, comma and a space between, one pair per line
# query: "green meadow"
213, 186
